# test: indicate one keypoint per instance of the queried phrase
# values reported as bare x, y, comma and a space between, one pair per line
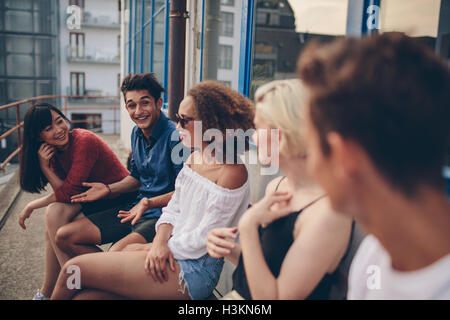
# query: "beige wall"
417, 18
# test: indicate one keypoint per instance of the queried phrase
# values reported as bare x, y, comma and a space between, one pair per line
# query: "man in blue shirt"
153, 172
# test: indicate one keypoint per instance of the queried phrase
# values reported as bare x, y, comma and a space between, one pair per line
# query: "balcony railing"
92, 55
101, 21
90, 20
19, 124
86, 97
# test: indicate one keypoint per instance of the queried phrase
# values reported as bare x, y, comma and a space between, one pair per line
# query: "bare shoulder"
322, 215
272, 185
233, 176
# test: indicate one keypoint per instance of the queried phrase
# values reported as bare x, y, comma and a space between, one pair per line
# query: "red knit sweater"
88, 159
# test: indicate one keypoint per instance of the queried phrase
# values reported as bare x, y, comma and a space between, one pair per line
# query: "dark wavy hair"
220, 107
36, 119
144, 81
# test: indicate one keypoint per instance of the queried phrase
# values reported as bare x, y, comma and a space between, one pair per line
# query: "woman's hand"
136, 212
273, 206
24, 214
45, 153
156, 262
220, 241
96, 191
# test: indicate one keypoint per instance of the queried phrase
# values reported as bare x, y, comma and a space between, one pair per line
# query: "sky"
415, 17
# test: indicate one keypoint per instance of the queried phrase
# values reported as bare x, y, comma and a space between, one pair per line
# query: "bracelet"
107, 185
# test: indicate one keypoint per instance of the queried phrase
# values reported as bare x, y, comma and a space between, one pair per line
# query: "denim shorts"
200, 276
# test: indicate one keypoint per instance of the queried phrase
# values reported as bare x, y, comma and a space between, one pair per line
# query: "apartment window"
77, 83
274, 19
262, 18
89, 121
225, 57
263, 69
226, 24
264, 48
77, 42
227, 3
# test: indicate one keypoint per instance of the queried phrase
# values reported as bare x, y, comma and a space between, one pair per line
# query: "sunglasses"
182, 120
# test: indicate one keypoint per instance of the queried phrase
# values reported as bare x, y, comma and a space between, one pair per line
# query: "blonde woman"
291, 238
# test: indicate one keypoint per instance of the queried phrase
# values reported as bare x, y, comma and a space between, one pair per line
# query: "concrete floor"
22, 252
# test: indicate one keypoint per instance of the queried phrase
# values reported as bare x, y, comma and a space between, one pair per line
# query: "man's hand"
97, 191
136, 212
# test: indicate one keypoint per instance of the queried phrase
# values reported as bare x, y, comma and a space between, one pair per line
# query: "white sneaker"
40, 296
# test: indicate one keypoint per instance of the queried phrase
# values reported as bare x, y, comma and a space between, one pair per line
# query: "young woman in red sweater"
52, 153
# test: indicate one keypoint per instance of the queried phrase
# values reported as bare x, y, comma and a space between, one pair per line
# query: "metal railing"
102, 21
91, 54
95, 20
65, 108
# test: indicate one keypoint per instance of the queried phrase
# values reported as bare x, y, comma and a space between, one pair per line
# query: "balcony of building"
89, 96
80, 54
98, 21
92, 20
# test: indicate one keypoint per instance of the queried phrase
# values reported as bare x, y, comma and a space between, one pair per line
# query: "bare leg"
89, 294
58, 214
121, 273
52, 268
137, 247
129, 239
78, 237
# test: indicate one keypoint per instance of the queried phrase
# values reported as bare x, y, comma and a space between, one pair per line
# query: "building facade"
90, 63
29, 58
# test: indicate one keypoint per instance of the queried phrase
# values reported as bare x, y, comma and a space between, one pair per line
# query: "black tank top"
276, 239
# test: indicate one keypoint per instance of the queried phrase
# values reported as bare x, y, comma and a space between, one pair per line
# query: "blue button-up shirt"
152, 164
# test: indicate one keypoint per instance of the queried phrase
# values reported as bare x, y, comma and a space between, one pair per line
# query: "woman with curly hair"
208, 194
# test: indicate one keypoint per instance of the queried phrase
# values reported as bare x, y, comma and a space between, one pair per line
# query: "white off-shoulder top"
197, 206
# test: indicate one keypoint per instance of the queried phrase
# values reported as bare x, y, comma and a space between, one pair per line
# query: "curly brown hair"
390, 94
220, 107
